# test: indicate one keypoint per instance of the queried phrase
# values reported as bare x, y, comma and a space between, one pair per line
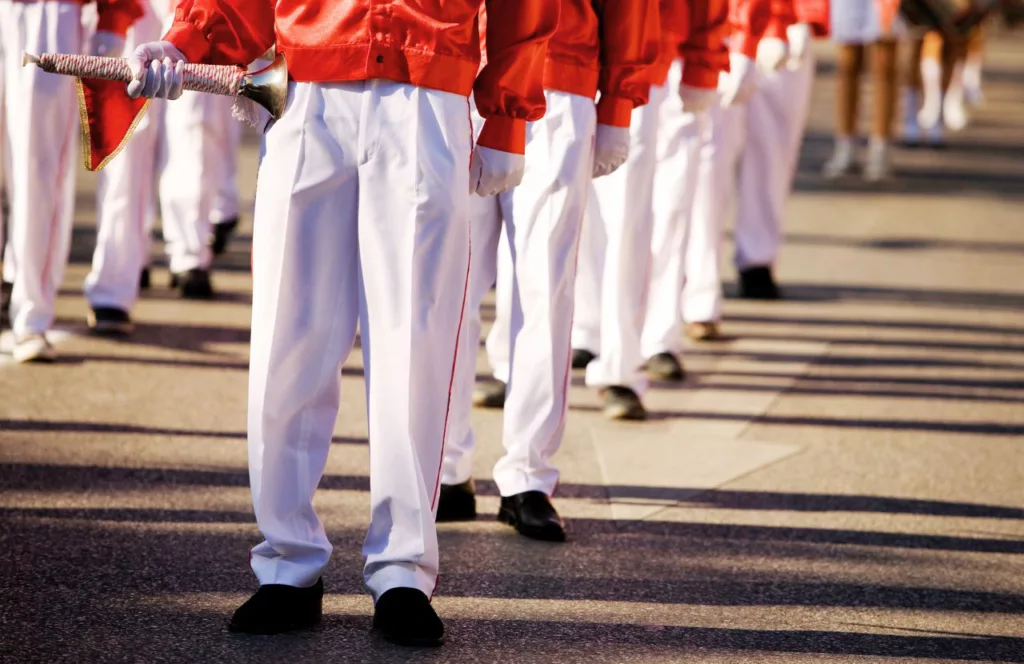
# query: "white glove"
107, 44
739, 84
771, 54
697, 100
799, 36
156, 68
494, 171
611, 149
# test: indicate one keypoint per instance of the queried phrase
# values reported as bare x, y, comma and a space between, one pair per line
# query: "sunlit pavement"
842, 480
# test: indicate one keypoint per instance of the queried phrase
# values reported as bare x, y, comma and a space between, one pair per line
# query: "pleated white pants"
615, 258
775, 124
41, 140
361, 216
125, 197
536, 271
684, 159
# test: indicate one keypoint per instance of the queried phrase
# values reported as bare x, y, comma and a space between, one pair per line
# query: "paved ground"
840, 482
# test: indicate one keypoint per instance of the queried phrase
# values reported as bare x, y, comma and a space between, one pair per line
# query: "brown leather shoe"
703, 331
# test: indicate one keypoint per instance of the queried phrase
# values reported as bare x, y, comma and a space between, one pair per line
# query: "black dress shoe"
144, 279
532, 514
581, 357
404, 616
110, 321
276, 608
456, 502
622, 403
489, 394
194, 284
222, 233
6, 288
757, 283
665, 366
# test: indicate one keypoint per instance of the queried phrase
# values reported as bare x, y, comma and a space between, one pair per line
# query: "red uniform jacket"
606, 45
696, 31
422, 42
754, 20
815, 13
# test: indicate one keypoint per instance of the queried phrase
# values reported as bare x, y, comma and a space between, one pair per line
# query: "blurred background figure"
125, 205
41, 140
864, 29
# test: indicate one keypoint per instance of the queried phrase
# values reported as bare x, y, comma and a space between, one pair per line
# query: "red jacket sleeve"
509, 89
630, 44
783, 15
748, 20
117, 15
223, 32
705, 54
815, 13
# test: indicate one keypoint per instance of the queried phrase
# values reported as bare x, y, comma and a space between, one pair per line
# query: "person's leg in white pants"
675, 181
586, 324
542, 218
624, 209
362, 215
458, 503
716, 186
125, 194
776, 120
197, 146
224, 210
40, 118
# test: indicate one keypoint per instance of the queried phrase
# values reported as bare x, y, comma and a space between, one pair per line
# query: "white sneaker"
877, 167
33, 347
954, 112
841, 162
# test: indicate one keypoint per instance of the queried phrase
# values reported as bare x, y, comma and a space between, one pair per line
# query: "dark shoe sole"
541, 534
624, 413
109, 328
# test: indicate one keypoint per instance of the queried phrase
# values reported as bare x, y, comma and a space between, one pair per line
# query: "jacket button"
380, 59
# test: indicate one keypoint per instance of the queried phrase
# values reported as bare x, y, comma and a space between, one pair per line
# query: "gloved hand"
799, 36
611, 149
739, 84
771, 54
156, 68
107, 44
697, 100
494, 171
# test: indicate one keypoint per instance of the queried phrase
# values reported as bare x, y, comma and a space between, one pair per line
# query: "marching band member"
40, 125
125, 193
362, 216
608, 46
775, 122
692, 186
619, 221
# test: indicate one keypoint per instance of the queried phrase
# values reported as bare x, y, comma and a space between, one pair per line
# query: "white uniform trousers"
776, 120
199, 159
361, 217
621, 203
542, 219
722, 145
125, 194
681, 137
225, 206
41, 136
